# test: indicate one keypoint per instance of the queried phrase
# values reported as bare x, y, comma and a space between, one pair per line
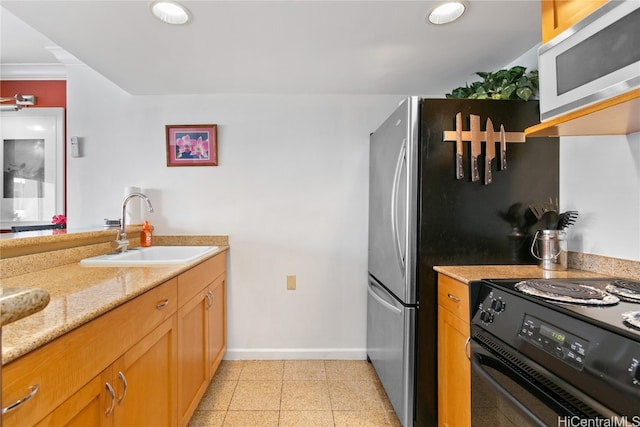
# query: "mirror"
32, 159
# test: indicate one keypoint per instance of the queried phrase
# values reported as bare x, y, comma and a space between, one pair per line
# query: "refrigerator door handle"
375, 291
400, 164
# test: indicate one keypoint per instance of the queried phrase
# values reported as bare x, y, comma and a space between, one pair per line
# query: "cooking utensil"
566, 219
459, 147
503, 148
476, 142
550, 220
490, 151
538, 210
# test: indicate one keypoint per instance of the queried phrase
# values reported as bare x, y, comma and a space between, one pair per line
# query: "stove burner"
625, 289
632, 318
568, 292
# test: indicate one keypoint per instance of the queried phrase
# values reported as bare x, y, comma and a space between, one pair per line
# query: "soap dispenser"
145, 235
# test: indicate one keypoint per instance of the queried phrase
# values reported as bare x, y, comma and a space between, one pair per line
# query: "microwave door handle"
476, 365
401, 162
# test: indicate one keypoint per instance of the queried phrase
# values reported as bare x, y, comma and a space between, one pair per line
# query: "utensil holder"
550, 248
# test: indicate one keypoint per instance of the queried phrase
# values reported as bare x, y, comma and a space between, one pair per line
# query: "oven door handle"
476, 365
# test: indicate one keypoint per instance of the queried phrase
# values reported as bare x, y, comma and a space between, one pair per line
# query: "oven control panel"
554, 341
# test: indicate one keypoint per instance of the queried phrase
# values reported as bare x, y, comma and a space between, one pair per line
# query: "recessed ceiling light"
170, 12
447, 12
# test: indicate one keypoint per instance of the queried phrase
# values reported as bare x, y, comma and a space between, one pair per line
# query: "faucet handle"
120, 245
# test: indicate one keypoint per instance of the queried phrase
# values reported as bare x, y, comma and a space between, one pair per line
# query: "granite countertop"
16, 303
468, 273
77, 295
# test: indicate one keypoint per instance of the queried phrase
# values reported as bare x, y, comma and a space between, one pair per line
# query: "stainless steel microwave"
596, 59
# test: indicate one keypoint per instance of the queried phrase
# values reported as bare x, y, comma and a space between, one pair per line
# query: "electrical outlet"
291, 283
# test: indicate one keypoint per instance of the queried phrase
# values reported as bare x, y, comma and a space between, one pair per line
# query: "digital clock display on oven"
553, 334
554, 341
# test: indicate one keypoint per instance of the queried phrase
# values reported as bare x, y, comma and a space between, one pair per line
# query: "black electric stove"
593, 301
574, 342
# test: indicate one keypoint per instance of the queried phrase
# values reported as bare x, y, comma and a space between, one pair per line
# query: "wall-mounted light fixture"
19, 101
170, 12
447, 12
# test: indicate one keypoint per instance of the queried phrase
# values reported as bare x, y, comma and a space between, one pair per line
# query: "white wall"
291, 191
600, 178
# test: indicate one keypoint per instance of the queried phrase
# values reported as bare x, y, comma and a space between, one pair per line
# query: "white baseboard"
295, 354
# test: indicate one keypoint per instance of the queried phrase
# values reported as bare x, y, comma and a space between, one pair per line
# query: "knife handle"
503, 159
459, 167
475, 175
488, 178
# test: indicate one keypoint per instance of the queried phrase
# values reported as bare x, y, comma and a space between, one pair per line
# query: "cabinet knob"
112, 393
122, 378
17, 403
162, 304
209, 297
453, 298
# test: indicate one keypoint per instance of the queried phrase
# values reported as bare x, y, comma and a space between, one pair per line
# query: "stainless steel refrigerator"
434, 201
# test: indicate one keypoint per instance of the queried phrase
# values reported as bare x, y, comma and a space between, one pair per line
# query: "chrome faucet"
122, 242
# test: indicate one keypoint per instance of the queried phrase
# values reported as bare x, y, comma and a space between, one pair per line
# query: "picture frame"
192, 145
32, 156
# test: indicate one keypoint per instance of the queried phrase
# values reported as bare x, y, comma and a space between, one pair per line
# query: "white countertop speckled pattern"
77, 295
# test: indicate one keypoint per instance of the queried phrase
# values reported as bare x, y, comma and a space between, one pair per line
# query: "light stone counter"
468, 273
77, 294
16, 303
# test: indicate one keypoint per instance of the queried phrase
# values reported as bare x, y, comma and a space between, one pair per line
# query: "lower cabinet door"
454, 371
192, 354
217, 324
144, 380
87, 407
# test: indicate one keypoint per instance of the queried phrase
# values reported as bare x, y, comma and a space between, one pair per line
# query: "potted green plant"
514, 83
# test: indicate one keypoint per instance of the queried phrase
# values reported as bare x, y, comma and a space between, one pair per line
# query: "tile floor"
305, 393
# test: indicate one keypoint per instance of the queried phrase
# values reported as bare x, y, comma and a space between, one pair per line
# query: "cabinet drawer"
194, 280
63, 366
454, 296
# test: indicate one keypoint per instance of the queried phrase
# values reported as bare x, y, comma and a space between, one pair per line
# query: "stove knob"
635, 372
486, 317
497, 305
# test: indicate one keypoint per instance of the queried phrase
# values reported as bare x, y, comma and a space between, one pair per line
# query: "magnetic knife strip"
475, 136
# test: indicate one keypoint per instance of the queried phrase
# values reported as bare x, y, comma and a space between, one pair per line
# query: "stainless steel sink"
154, 255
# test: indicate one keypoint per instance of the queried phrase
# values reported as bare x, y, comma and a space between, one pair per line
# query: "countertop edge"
470, 273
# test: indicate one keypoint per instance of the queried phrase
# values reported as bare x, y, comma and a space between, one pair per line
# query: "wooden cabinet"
145, 380
454, 367
201, 331
144, 363
138, 389
559, 15
64, 366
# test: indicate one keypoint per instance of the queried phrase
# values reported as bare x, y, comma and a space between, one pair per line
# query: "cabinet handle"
162, 304
453, 298
124, 387
209, 297
112, 393
467, 348
14, 405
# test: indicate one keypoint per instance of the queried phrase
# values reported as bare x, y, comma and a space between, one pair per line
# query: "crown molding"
33, 72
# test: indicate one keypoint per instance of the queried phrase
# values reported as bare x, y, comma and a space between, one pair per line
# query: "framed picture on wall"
33, 162
192, 145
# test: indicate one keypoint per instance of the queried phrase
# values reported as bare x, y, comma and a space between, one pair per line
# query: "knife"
490, 152
503, 149
459, 147
476, 138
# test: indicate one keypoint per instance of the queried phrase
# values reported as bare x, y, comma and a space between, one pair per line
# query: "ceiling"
264, 46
